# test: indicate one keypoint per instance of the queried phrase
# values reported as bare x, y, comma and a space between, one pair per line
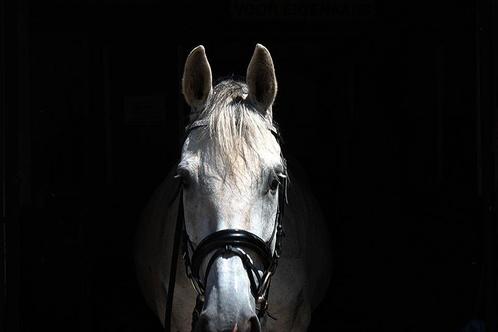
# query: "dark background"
388, 105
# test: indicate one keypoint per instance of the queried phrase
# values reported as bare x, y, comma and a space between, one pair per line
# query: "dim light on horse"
247, 265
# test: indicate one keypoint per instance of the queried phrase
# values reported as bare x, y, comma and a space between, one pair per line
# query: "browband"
205, 122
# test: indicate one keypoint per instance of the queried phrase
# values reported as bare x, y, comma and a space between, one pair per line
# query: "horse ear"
261, 79
197, 78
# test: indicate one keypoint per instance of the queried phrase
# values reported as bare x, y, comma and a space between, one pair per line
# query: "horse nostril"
254, 325
251, 325
202, 324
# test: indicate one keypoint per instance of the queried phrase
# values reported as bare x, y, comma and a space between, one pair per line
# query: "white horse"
230, 170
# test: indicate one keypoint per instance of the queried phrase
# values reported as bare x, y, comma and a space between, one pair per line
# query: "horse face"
212, 203
230, 172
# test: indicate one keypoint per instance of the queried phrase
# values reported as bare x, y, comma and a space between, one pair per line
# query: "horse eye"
184, 177
274, 185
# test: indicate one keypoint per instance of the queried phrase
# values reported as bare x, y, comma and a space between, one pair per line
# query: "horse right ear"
197, 78
261, 80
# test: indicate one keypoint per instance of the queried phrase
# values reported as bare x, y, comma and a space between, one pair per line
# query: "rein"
226, 241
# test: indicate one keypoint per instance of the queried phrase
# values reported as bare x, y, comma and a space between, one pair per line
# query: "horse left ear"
261, 80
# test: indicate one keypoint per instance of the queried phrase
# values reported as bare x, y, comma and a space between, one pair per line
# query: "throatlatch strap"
174, 261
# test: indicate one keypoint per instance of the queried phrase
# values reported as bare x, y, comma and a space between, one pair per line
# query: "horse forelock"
237, 136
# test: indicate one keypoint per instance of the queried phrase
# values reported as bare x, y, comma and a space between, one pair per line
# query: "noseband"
235, 242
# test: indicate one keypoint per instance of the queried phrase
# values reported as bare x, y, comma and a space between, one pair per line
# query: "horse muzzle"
207, 323
229, 304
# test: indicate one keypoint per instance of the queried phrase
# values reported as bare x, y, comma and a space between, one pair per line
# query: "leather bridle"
236, 242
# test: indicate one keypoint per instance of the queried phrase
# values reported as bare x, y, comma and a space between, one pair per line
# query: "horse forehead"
268, 155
